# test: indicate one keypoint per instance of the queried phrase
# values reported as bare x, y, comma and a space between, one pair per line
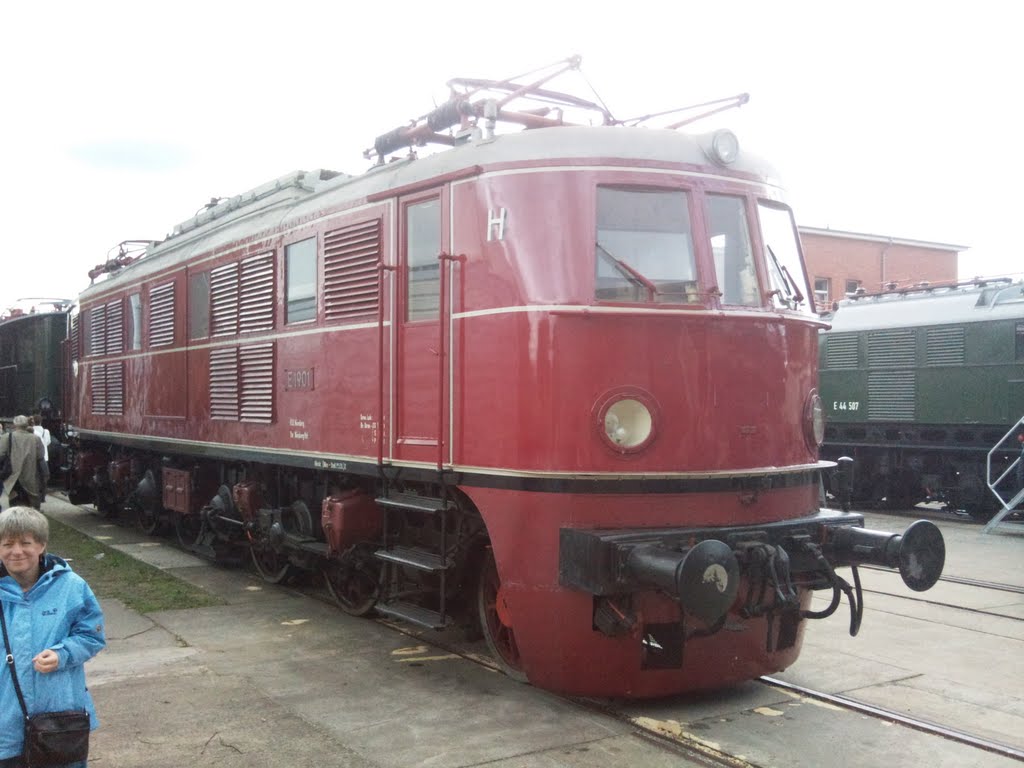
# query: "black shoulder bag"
6, 467
51, 738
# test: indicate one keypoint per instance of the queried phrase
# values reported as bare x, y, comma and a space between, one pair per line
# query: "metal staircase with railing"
1007, 484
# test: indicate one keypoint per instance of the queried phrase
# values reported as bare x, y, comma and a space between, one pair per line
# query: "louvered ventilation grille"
115, 389
224, 300
242, 383
115, 327
350, 271
106, 386
891, 348
75, 353
945, 346
256, 364
891, 395
224, 384
256, 310
97, 330
841, 351
161, 315
98, 388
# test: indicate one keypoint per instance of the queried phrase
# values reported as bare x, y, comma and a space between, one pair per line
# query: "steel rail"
925, 726
1015, 588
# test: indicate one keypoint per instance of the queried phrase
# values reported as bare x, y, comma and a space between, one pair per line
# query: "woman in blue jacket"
54, 623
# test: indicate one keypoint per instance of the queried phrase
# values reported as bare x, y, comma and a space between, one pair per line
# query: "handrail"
1018, 497
998, 448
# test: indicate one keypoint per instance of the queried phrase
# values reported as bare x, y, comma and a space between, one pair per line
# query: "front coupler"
702, 567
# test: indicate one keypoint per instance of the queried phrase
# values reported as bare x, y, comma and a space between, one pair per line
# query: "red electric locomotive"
560, 379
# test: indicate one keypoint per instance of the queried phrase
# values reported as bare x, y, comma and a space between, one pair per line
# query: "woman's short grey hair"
19, 521
20, 422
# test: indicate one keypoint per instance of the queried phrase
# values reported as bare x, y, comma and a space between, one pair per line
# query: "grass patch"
113, 574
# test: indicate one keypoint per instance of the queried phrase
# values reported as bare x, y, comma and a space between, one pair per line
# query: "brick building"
841, 262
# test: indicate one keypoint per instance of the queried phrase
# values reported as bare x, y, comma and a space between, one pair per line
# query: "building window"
300, 281
422, 247
852, 286
822, 291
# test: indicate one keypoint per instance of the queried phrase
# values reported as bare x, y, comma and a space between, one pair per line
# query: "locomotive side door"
420, 370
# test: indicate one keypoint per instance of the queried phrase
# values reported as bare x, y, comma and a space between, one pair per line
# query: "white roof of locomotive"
300, 194
949, 305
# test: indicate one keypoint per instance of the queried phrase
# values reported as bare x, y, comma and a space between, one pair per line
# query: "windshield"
644, 247
789, 288
730, 246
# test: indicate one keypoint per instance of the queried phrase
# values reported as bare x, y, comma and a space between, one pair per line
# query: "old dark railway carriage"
32, 368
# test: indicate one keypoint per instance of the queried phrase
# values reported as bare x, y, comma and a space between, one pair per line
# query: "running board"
414, 614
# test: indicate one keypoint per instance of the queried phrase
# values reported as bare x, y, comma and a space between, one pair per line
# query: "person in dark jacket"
54, 623
29, 473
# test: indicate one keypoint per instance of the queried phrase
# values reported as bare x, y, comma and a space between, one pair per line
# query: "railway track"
683, 739
678, 738
976, 583
898, 718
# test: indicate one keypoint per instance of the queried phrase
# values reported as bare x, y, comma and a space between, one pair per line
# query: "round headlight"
628, 423
725, 147
814, 421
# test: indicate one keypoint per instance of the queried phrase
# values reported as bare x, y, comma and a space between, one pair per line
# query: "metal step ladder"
1007, 480
396, 557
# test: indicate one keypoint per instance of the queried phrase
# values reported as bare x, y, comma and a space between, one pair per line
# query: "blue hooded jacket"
59, 612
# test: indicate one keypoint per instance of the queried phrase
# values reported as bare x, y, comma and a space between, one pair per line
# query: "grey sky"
123, 118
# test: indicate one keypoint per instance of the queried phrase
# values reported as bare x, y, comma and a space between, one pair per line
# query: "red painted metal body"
505, 387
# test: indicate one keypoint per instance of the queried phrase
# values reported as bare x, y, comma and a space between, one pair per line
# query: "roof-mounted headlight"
725, 147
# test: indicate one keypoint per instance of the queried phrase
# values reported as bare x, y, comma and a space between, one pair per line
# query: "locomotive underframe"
375, 539
899, 465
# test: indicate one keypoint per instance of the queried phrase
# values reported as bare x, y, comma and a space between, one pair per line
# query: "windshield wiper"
630, 272
795, 298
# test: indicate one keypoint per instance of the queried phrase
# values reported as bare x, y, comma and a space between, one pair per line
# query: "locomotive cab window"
1020, 341
423, 246
644, 248
300, 280
782, 255
729, 234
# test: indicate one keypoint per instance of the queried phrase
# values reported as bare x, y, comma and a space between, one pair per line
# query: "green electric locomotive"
919, 385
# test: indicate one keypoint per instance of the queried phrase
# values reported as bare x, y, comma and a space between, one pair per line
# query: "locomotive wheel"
189, 529
272, 563
272, 566
105, 503
495, 621
150, 521
147, 506
353, 582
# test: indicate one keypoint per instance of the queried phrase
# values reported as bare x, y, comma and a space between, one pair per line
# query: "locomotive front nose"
705, 578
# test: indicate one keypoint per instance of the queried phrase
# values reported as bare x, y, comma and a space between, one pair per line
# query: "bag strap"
10, 662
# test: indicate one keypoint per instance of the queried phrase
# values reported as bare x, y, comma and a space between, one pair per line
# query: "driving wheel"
495, 621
